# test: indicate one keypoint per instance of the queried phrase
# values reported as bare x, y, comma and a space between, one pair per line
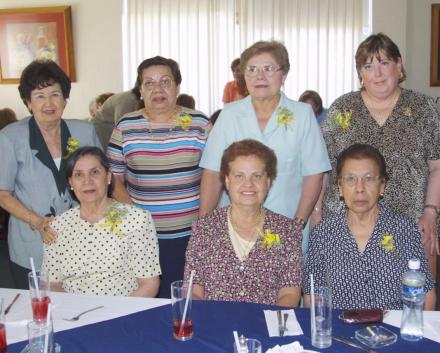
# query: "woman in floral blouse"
245, 252
103, 247
362, 251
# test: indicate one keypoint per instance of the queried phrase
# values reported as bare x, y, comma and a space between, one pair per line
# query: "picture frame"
27, 34
435, 45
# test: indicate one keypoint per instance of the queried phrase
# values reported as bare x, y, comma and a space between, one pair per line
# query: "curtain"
204, 36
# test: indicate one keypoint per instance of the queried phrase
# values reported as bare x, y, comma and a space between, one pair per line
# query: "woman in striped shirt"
154, 154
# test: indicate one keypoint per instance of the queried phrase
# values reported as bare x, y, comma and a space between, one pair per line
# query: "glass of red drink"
182, 331
2, 327
39, 289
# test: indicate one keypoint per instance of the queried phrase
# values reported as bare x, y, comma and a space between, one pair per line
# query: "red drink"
184, 332
2, 339
39, 308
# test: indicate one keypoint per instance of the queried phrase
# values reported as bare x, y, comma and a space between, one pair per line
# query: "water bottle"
413, 297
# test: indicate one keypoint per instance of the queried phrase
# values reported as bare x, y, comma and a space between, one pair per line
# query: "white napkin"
292, 324
293, 347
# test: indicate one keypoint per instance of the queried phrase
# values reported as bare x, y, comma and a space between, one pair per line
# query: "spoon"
76, 318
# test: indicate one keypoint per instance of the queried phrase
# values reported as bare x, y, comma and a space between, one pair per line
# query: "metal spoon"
76, 318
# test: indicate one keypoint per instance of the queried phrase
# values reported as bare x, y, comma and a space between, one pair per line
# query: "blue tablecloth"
151, 331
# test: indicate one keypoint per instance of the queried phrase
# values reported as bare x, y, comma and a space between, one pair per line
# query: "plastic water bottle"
413, 297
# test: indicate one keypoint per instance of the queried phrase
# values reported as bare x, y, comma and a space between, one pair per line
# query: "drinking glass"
2, 327
251, 345
183, 331
321, 322
40, 298
37, 332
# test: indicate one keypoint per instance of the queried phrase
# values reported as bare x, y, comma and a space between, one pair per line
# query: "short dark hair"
313, 96
245, 148
372, 46
185, 100
159, 61
103, 97
7, 116
274, 48
88, 151
41, 74
362, 151
235, 63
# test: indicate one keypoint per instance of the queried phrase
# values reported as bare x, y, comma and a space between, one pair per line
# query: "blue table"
150, 331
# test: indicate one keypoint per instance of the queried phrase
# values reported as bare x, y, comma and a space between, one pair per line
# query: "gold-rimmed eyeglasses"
165, 82
267, 70
367, 179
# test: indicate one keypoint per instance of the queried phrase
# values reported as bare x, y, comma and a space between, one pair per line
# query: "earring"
381, 196
362, 83
71, 187
341, 197
401, 77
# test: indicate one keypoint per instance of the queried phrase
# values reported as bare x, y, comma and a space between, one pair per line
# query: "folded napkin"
292, 324
293, 347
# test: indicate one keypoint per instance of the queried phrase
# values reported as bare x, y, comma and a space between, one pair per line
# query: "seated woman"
103, 247
245, 252
362, 252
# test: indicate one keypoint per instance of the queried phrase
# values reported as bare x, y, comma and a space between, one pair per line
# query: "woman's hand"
48, 235
428, 227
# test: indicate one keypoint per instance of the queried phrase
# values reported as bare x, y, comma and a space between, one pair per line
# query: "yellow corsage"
407, 111
387, 242
184, 121
113, 218
285, 117
343, 120
72, 146
270, 239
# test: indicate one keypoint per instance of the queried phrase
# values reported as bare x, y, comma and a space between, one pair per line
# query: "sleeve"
52, 259
314, 155
115, 153
226, 95
314, 260
195, 256
9, 169
431, 132
291, 253
144, 254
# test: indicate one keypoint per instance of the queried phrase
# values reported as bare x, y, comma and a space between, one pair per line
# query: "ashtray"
375, 336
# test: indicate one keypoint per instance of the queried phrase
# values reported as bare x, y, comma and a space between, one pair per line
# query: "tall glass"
40, 298
2, 327
37, 331
183, 331
321, 318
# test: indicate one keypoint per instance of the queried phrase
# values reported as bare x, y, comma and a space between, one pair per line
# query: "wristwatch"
299, 222
435, 208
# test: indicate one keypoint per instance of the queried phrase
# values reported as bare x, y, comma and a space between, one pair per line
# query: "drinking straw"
237, 342
312, 303
188, 295
46, 335
34, 275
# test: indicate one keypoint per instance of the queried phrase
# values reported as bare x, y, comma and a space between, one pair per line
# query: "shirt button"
241, 293
241, 268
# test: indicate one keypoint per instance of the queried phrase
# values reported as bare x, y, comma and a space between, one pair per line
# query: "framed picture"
435, 45
35, 33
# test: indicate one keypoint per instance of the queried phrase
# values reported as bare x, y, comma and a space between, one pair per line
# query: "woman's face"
89, 180
247, 182
158, 89
361, 185
381, 76
47, 104
264, 85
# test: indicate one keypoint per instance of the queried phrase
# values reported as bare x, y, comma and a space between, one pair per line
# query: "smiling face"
247, 182
159, 97
89, 180
360, 185
261, 86
381, 76
47, 104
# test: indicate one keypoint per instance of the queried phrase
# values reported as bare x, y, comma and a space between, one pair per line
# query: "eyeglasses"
267, 70
165, 82
352, 180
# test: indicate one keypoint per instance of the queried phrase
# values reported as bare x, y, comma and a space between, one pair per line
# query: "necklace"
381, 114
166, 125
256, 226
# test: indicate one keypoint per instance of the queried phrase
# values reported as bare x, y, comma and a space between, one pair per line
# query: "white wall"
97, 43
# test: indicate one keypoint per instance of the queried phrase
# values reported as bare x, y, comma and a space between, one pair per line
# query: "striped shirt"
161, 167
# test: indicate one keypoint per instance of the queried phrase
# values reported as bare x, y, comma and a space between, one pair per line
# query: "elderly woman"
286, 126
362, 251
404, 125
314, 99
103, 247
155, 152
246, 252
32, 177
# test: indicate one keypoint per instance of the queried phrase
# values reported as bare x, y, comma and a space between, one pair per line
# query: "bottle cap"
414, 264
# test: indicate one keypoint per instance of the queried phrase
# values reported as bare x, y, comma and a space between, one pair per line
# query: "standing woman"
155, 151
402, 124
32, 177
287, 127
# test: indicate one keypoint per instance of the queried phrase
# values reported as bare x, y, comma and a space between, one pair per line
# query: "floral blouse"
257, 278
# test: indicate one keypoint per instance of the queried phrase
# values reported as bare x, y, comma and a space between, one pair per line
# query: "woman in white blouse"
103, 247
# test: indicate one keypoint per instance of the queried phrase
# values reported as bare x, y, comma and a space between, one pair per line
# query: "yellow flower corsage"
270, 239
72, 146
113, 218
387, 242
407, 111
184, 121
285, 117
343, 120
